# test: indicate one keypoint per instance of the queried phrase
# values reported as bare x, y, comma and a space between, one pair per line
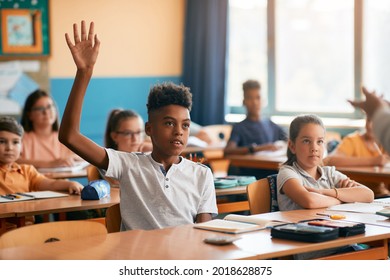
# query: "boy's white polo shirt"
151, 198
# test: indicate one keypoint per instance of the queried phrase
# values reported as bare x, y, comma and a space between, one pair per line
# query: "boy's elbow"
65, 136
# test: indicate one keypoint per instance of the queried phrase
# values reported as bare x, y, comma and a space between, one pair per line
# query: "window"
376, 55
314, 54
309, 55
247, 55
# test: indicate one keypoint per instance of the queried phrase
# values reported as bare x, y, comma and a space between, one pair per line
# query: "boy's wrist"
252, 148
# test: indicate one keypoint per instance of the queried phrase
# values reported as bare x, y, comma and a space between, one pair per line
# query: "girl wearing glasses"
124, 132
41, 146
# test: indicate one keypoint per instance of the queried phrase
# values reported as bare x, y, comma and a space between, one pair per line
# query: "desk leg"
21, 221
2, 226
62, 216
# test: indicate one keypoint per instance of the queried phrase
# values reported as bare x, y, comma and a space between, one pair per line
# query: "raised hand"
371, 104
85, 49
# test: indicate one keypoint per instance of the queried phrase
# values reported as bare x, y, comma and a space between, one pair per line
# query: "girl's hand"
85, 49
381, 160
347, 183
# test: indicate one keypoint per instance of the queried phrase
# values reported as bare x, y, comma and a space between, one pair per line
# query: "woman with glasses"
124, 132
41, 146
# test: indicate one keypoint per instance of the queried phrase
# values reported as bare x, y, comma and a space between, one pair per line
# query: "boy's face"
168, 128
252, 101
10, 147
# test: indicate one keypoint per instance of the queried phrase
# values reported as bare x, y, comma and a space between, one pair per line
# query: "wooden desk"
257, 161
67, 175
235, 206
23, 209
367, 174
173, 243
4, 214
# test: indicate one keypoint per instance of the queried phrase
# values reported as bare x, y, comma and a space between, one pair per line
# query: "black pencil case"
345, 228
304, 232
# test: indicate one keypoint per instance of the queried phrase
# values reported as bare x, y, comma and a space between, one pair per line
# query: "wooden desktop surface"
21, 210
67, 175
367, 173
186, 242
359, 174
58, 205
257, 161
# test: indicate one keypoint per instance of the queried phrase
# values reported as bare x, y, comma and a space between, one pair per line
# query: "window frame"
270, 109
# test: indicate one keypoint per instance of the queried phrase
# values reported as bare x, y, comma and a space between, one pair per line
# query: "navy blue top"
260, 132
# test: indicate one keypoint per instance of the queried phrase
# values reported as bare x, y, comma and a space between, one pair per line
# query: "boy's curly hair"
168, 93
10, 124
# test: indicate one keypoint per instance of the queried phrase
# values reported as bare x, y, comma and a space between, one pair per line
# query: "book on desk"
74, 168
15, 197
234, 223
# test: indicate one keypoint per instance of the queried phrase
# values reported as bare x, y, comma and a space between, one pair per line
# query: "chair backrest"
50, 232
262, 195
218, 132
113, 218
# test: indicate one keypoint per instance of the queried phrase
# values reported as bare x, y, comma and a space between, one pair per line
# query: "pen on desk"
13, 195
333, 216
7, 197
25, 194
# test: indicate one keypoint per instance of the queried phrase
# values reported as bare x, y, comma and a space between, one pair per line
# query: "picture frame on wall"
25, 30
22, 31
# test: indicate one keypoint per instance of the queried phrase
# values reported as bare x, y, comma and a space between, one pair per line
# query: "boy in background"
254, 134
159, 189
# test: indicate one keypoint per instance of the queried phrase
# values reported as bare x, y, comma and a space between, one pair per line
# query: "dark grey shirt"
260, 132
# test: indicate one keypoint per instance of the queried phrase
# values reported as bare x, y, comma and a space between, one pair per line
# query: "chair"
113, 218
262, 195
50, 232
218, 132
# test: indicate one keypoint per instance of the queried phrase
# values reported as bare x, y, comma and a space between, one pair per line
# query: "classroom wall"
141, 44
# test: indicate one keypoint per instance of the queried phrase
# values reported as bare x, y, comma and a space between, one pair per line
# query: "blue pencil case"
95, 190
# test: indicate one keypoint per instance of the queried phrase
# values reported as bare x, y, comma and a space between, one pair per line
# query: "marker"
7, 197
25, 194
333, 217
13, 195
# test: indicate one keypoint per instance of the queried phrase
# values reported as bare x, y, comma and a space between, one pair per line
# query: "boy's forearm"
70, 125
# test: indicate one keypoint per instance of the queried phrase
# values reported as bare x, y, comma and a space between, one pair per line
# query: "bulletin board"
24, 28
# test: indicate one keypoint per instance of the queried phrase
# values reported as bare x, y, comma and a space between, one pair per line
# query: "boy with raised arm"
160, 189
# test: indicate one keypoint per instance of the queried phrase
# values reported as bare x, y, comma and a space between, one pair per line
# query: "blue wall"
105, 94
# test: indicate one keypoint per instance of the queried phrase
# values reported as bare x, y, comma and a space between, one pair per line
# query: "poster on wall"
24, 28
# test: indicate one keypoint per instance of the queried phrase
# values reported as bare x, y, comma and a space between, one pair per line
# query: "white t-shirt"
151, 198
329, 179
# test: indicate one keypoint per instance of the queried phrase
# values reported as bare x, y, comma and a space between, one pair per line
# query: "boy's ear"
291, 146
148, 128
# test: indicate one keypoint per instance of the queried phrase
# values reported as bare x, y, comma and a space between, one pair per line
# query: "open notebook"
360, 207
30, 196
77, 167
234, 223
